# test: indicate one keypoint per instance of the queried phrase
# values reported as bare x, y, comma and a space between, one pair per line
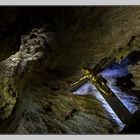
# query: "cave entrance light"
121, 105
89, 88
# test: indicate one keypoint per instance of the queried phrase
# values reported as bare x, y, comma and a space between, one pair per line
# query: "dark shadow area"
43, 104
133, 127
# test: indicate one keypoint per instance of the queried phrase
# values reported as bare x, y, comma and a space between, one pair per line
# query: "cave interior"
42, 52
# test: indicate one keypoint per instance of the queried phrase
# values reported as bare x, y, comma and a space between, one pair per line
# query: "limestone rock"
15, 69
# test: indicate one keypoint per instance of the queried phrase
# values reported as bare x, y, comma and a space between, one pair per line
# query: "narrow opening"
121, 82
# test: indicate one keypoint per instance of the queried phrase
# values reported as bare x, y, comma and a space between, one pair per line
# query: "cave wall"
96, 33
79, 35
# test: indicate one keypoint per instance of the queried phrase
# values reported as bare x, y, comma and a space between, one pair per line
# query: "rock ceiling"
42, 51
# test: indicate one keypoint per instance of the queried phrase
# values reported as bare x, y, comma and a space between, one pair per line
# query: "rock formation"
43, 55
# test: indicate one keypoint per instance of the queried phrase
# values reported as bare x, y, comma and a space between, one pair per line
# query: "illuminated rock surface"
36, 72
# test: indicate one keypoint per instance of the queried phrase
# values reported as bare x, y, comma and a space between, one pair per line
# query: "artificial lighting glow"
114, 71
129, 101
88, 88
